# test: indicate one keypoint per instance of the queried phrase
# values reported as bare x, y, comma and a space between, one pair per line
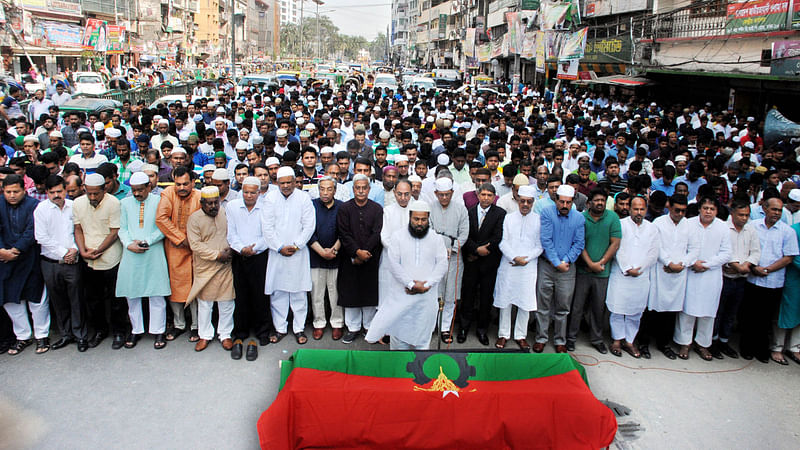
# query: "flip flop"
173, 333
704, 353
276, 337
616, 350
683, 353
301, 338
631, 350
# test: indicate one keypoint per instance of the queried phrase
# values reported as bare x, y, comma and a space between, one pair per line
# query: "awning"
622, 80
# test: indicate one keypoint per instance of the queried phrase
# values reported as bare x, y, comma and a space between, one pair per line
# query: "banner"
540, 51
609, 50
69, 7
116, 39
484, 53
514, 33
469, 43
497, 47
756, 16
59, 34
553, 43
553, 14
95, 35
442, 26
568, 70
574, 45
528, 46
529, 5
785, 58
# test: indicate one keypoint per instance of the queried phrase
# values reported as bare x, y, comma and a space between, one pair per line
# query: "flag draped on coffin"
373, 399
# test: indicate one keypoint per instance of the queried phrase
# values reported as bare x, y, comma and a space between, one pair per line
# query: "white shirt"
516, 285
54, 229
776, 242
507, 202
288, 221
37, 108
59, 100
88, 163
711, 244
638, 248
244, 227
667, 290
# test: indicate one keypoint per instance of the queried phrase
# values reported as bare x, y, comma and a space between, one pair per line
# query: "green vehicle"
90, 105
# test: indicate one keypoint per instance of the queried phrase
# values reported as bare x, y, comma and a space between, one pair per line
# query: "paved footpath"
177, 398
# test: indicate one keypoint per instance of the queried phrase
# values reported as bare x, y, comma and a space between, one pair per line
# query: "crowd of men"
395, 215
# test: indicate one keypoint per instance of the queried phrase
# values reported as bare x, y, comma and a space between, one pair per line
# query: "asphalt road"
177, 398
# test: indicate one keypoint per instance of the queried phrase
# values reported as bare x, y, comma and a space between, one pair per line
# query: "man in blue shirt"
666, 183
693, 178
562, 238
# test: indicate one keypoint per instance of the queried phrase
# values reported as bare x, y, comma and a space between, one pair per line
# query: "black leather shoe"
119, 341
236, 351
83, 345
483, 339
644, 350
97, 339
600, 347
252, 351
571, 346
63, 342
462, 336
263, 340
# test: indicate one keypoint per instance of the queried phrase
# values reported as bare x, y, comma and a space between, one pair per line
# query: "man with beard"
207, 231
177, 203
622, 203
395, 217
97, 220
630, 278
417, 262
359, 222
143, 256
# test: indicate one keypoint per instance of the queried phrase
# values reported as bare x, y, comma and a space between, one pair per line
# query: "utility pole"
233, 41
515, 78
301, 34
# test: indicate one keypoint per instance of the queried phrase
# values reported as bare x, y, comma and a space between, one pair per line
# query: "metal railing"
701, 19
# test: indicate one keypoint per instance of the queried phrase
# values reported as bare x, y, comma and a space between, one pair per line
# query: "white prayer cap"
310, 127
31, 138
414, 179
139, 178
398, 158
736, 139
751, 119
95, 179
281, 133
574, 142
163, 122
749, 144
419, 206
429, 119
794, 194
272, 161
466, 125
98, 126
377, 108
565, 190
258, 140
136, 165
395, 123
221, 175
56, 134
680, 158
178, 150
443, 184
326, 150
221, 110
384, 135
583, 155
526, 191
241, 145
183, 135
442, 159
209, 192
359, 177
285, 172
156, 118
251, 181
604, 124
330, 102
300, 121
151, 168
238, 120
521, 179
209, 168
361, 109
113, 132
219, 119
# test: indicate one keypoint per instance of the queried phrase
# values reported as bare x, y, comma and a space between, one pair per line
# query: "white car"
170, 99
422, 83
385, 81
89, 83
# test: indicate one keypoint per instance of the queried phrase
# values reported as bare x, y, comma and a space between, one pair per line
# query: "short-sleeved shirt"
776, 242
96, 224
597, 239
13, 110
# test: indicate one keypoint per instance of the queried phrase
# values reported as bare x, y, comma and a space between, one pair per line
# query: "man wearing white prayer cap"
222, 180
417, 261
562, 237
450, 220
143, 258
246, 238
287, 224
163, 136
516, 277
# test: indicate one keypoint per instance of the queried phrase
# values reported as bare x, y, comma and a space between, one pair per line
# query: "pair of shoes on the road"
252, 350
599, 346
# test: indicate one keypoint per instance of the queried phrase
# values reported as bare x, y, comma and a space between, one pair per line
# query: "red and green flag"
432, 400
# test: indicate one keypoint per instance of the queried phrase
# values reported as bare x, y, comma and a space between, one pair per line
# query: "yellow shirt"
96, 224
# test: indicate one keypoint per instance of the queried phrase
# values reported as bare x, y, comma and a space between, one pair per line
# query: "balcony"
107, 8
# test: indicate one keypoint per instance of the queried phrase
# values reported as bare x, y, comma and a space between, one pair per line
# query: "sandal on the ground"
703, 352
131, 340
194, 336
173, 333
683, 352
42, 345
19, 346
447, 338
301, 338
631, 350
616, 349
160, 342
782, 361
276, 337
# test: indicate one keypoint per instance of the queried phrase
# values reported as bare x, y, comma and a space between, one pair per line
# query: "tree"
328, 42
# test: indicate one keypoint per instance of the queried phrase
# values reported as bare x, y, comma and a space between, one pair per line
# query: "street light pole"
233, 41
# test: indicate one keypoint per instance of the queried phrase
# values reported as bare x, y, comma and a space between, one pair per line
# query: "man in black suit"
481, 259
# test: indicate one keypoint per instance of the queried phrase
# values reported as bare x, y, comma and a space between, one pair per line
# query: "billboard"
756, 16
785, 58
608, 50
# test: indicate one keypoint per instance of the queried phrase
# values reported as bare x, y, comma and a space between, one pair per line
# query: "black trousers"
7, 336
755, 319
478, 281
107, 312
657, 324
63, 283
252, 305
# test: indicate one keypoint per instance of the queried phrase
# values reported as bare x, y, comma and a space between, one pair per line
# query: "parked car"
90, 105
385, 81
447, 78
89, 83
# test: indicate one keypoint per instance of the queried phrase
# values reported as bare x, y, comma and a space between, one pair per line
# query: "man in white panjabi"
629, 281
417, 262
395, 217
516, 277
287, 224
709, 248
